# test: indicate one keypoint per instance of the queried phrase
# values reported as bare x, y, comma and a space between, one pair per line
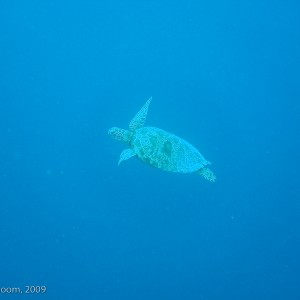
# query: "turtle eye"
113, 132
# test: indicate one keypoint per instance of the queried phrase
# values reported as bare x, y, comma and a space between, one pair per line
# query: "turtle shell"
166, 151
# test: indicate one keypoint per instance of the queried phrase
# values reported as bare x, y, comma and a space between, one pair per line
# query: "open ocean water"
224, 75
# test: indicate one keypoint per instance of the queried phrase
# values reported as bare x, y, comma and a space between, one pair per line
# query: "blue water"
224, 75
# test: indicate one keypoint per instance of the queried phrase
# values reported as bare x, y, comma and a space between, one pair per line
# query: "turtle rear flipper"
207, 174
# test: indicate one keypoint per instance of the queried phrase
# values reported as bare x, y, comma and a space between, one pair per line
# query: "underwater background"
224, 75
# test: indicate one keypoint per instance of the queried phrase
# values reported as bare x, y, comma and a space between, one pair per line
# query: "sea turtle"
160, 148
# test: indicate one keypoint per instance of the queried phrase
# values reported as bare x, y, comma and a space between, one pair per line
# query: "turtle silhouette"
159, 148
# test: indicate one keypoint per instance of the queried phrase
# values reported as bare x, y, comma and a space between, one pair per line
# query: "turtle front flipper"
126, 154
207, 174
139, 120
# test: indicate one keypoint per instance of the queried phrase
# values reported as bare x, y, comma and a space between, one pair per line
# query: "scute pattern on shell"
166, 151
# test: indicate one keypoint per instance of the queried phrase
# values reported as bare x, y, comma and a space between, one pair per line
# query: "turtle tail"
207, 174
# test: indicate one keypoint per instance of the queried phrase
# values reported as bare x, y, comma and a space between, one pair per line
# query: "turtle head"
120, 134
